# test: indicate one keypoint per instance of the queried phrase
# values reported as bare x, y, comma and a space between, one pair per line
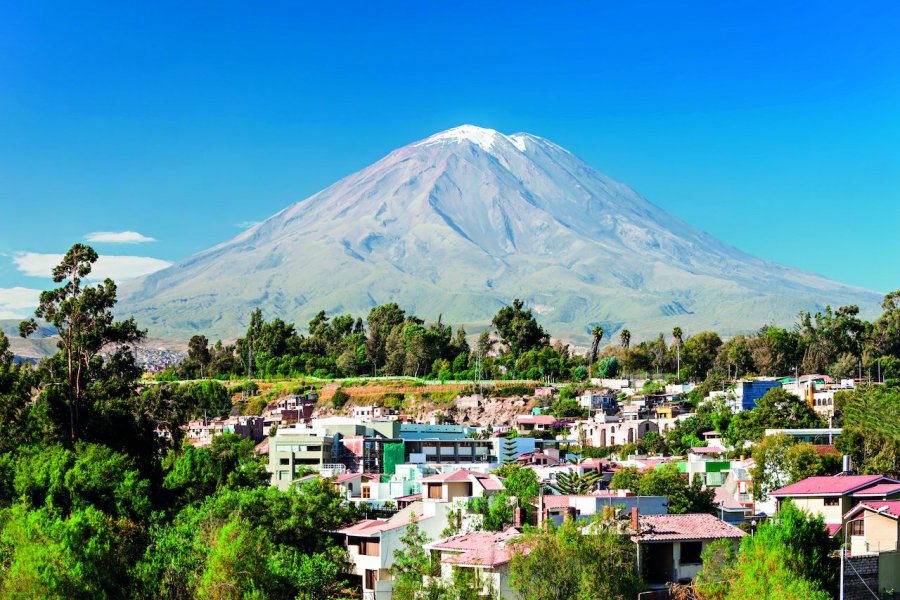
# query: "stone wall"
856, 570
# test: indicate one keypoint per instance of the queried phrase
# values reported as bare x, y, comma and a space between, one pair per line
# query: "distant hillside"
465, 221
41, 345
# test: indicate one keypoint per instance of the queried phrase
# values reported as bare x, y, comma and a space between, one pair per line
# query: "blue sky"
773, 126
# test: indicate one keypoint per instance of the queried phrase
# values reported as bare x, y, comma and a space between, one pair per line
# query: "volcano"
461, 223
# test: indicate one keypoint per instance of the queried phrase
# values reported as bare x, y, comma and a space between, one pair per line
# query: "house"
538, 459
363, 412
738, 485
371, 544
669, 410
292, 450
873, 531
747, 392
532, 423
596, 401
559, 507
815, 436
445, 487
670, 546
599, 433
834, 496
378, 493
728, 507
874, 527
350, 485
483, 552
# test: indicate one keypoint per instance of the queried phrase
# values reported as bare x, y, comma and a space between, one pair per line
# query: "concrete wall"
816, 506
881, 532
889, 571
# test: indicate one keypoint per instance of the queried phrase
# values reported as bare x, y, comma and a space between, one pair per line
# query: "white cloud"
118, 268
118, 237
18, 302
248, 224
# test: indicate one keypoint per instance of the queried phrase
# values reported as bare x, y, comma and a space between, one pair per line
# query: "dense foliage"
100, 499
684, 496
790, 557
599, 563
871, 434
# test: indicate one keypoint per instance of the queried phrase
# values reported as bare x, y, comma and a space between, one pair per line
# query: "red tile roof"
877, 490
536, 419
885, 507
664, 528
475, 540
408, 498
347, 476
726, 500
836, 485
832, 528
458, 475
368, 527
708, 450
826, 449
490, 556
490, 484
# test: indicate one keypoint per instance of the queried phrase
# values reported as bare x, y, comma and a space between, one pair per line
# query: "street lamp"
844, 550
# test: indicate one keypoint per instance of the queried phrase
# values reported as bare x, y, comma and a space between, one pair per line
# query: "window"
369, 547
284, 461
435, 492
371, 579
858, 527
690, 552
831, 501
366, 492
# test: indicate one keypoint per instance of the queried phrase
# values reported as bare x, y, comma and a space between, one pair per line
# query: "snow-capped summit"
461, 222
480, 136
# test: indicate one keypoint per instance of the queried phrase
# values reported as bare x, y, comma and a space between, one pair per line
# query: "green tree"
871, 428
518, 329
198, 352
584, 554
229, 462
84, 554
19, 422
596, 336
626, 478
698, 355
608, 367
625, 338
510, 452
411, 563
777, 409
790, 557
82, 316
572, 483
684, 496
780, 460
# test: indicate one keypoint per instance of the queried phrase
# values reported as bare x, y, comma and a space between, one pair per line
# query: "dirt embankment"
432, 404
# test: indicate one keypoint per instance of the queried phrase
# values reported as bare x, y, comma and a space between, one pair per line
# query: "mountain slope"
464, 221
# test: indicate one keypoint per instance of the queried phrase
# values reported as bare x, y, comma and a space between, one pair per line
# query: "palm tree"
678, 334
625, 338
595, 345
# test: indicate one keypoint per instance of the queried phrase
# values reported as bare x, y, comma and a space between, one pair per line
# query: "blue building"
746, 393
